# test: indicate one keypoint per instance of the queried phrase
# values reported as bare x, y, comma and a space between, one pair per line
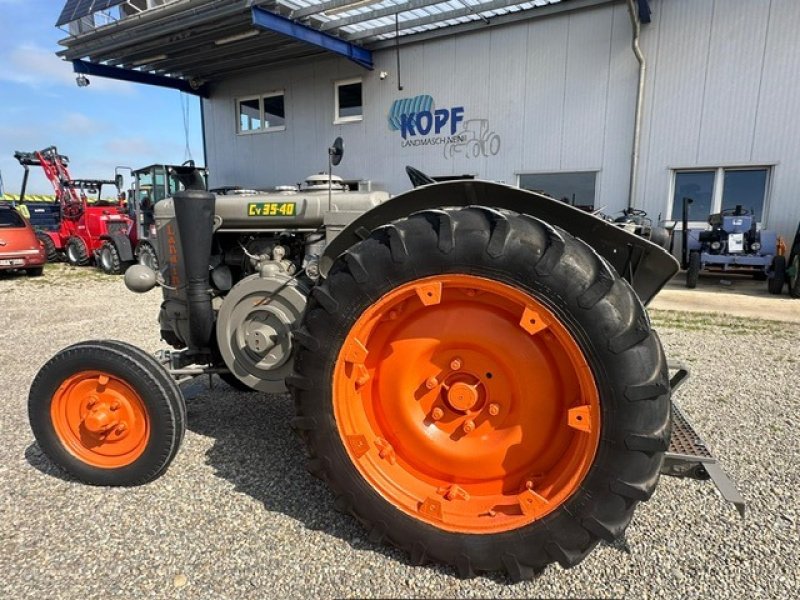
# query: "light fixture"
82, 81
349, 6
236, 38
149, 59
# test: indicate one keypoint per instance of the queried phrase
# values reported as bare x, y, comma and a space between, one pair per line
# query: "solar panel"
75, 9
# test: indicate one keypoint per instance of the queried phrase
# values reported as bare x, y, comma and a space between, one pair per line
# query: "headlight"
755, 246
715, 245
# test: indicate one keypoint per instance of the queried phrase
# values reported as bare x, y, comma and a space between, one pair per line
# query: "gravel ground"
237, 516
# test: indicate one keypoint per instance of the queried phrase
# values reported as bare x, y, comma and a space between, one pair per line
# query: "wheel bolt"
92, 401
115, 406
529, 484
121, 428
392, 315
468, 426
455, 364
431, 383
437, 413
494, 409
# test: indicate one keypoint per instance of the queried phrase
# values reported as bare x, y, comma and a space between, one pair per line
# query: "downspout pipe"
637, 126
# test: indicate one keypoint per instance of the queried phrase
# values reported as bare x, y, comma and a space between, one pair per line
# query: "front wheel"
146, 255
77, 253
693, 271
777, 278
482, 390
107, 413
109, 259
793, 276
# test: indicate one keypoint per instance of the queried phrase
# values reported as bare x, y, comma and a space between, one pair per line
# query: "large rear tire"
454, 374
76, 251
107, 413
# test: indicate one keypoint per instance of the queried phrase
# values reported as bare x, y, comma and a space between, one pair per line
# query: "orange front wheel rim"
100, 419
466, 403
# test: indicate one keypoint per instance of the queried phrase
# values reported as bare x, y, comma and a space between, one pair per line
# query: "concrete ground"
736, 295
237, 516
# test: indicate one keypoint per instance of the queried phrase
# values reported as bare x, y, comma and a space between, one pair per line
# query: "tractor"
150, 185
732, 242
473, 368
85, 232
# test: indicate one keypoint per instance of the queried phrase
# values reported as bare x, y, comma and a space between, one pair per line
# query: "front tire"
107, 413
76, 251
109, 260
693, 272
793, 276
146, 255
473, 315
777, 278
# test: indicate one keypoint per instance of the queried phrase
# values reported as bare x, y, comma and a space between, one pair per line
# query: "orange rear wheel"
466, 403
100, 419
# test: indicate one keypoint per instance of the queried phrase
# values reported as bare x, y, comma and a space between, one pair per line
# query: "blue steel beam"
89, 68
644, 11
270, 21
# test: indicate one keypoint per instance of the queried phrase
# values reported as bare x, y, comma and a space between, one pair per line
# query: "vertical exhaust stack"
194, 216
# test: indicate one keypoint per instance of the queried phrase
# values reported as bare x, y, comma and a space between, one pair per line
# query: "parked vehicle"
732, 242
86, 233
19, 247
149, 186
474, 373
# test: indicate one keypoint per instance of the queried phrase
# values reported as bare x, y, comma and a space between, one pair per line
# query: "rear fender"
646, 266
122, 243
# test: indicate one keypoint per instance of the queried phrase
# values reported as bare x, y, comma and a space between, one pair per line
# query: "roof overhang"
188, 44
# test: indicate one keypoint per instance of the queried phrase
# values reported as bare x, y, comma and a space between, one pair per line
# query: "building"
543, 94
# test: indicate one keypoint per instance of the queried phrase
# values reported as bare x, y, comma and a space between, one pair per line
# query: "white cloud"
37, 67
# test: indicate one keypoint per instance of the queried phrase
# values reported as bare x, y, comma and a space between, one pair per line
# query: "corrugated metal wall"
722, 90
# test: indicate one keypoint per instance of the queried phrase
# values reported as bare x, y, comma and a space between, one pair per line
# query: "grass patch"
720, 323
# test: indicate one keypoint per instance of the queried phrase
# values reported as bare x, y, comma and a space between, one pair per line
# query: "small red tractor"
96, 232
473, 368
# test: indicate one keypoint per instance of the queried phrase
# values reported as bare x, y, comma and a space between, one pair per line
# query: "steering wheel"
732, 212
73, 210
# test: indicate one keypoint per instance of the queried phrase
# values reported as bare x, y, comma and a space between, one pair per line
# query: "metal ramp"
688, 455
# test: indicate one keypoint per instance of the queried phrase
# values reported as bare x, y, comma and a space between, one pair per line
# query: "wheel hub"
462, 396
101, 419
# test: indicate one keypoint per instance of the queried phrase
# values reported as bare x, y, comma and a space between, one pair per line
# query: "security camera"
82, 81
383, 75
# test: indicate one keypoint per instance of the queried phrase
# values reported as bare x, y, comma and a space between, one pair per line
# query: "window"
577, 189
9, 218
262, 113
349, 101
715, 190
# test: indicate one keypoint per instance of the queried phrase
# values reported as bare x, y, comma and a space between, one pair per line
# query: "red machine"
96, 232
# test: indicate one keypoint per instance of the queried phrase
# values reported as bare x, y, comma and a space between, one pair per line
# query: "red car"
19, 246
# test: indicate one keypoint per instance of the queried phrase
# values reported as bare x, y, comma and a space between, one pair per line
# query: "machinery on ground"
150, 185
474, 372
734, 242
82, 231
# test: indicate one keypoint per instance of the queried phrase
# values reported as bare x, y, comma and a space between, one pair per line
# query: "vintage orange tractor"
475, 374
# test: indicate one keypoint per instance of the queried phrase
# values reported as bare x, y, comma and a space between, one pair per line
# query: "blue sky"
107, 124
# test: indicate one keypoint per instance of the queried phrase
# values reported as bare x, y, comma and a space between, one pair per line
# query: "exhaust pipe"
194, 216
